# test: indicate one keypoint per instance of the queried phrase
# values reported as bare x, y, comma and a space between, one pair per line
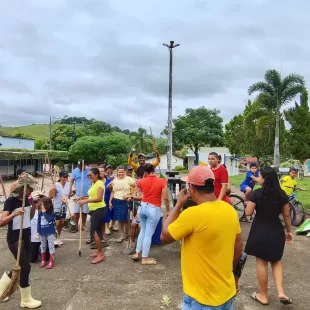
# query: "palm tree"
274, 94
139, 141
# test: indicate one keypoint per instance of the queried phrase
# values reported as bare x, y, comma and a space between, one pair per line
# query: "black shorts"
61, 213
97, 220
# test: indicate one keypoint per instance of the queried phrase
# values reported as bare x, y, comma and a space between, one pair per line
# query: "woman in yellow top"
97, 209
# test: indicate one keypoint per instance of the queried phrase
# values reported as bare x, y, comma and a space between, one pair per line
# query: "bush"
179, 168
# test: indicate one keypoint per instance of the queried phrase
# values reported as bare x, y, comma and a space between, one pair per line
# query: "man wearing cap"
11, 217
211, 243
139, 168
19, 173
76, 178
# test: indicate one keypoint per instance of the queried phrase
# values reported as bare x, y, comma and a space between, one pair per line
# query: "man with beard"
139, 168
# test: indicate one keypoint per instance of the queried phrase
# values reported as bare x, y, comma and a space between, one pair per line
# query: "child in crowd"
46, 230
248, 184
289, 183
35, 200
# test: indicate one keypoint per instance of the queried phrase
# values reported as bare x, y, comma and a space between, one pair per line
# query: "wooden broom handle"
81, 195
21, 224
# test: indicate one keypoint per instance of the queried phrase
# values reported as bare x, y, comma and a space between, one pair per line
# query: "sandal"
254, 297
98, 260
120, 240
286, 301
93, 255
89, 241
135, 257
150, 261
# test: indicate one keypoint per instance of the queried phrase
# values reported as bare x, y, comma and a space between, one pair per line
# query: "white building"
16, 143
228, 159
176, 161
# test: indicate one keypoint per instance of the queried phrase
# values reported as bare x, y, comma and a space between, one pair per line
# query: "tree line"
259, 131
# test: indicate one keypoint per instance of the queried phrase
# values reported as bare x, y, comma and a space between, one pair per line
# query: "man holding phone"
208, 251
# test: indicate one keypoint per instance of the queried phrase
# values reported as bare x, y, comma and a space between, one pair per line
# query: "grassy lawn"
36, 131
302, 196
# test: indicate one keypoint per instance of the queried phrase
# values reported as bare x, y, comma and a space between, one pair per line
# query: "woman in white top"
60, 193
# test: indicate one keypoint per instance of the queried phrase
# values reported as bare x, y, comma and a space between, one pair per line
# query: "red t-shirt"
221, 177
152, 187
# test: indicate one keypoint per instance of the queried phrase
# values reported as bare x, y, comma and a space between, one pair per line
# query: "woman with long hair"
122, 186
97, 208
107, 194
153, 191
267, 237
60, 192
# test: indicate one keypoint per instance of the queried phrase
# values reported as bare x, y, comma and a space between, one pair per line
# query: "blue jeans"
149, 216
190, 303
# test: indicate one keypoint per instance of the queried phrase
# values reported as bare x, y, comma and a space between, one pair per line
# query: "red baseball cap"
198, 175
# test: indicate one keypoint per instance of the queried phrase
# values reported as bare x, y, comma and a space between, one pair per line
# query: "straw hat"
31, 182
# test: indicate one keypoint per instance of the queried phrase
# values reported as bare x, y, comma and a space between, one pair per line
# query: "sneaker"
56, 242
60, 242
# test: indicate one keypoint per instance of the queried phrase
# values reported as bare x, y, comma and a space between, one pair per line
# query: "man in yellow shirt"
139, 168
211, 243
289, 183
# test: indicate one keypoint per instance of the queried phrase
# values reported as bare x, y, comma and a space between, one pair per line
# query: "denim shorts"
190, 303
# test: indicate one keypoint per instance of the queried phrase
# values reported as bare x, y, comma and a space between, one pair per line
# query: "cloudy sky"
105, 59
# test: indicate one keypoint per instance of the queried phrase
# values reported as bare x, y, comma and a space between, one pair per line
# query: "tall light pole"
169, 152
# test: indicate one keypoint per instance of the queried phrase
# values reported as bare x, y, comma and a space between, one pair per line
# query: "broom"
81, 221
11, 288
161, 176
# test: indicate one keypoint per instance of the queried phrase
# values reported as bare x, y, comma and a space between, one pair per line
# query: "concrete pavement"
119, 283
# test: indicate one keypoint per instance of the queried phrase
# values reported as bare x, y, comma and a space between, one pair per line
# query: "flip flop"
285, 301
150, 261
98, 260
93, 255
254, 297
134, 257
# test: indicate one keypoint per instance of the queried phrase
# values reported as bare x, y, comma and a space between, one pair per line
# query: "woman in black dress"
267, 237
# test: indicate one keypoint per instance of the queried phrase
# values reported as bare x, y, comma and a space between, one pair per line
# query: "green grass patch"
302, 196
36, 131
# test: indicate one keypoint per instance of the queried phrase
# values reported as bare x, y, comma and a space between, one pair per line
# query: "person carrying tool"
139, 168
13, 208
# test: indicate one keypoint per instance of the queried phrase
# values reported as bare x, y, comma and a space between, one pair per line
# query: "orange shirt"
152, 187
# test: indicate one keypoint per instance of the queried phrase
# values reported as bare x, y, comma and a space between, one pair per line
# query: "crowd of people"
212, 246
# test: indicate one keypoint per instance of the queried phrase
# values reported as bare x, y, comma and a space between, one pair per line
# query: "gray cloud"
105, 59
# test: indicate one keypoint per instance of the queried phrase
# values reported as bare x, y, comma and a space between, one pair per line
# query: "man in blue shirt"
248, 184
76, 179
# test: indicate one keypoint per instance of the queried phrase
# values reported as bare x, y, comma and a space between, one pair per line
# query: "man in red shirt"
221, 177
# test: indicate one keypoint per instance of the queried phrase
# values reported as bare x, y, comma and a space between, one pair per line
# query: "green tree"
97, 128
234, 135
197, 128
22, 135
274, 94
140, 141
97, 148
41, 144
299, 134
63, 137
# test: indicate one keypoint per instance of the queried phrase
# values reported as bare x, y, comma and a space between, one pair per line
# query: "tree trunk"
276, 159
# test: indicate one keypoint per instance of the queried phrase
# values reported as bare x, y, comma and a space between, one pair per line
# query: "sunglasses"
90, 176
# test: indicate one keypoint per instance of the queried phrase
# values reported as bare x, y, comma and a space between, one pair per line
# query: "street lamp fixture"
169, 155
